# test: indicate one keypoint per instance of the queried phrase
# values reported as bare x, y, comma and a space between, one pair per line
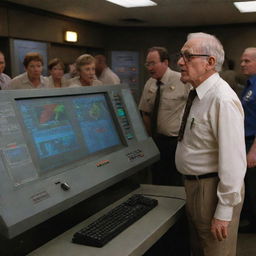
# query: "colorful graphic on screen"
66, 129
50, 128
96, 122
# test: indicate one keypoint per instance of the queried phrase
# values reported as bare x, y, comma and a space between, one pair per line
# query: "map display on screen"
66, 129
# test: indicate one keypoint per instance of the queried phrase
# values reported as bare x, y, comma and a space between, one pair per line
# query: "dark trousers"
249, 207
164, 172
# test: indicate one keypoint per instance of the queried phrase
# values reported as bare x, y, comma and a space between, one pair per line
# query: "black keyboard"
102, 230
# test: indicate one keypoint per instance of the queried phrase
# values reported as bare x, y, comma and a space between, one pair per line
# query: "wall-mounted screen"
62, 130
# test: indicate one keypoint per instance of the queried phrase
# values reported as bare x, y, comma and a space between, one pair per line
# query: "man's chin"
183, 79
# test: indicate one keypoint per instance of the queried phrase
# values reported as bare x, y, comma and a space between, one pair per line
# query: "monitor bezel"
82, 160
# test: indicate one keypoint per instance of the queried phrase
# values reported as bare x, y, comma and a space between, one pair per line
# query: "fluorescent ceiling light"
248, 6
133, 3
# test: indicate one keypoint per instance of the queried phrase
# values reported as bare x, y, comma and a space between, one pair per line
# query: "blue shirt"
249, 104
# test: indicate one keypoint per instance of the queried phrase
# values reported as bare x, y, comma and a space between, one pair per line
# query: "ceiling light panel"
133, 3
248, 6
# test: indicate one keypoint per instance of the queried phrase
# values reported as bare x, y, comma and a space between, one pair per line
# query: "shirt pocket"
199, 133
150, 96
169, 98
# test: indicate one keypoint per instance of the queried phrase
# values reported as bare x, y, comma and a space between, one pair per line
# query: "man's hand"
251, 158
219, 229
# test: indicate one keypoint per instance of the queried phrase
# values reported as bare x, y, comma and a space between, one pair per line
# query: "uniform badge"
248, 95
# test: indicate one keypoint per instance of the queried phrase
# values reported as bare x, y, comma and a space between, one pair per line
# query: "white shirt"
75, 82
108, 77
64, 82
4, 80
22, 82
214, 142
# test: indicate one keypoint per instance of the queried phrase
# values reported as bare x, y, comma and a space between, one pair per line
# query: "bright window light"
133, 3
70, 36
248, 6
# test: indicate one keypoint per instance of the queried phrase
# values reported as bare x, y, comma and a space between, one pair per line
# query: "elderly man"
103, 72
4, 79
163, 99
248, 67
211, 149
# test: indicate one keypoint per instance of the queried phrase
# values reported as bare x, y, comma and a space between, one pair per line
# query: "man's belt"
203, 176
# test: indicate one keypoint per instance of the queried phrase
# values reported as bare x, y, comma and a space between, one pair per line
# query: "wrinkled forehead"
192, 45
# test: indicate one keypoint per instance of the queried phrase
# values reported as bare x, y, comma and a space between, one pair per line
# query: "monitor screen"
62, 129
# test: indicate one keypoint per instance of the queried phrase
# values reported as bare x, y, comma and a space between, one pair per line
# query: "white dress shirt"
214, 142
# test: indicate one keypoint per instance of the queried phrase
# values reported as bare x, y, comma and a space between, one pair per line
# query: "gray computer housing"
28, 196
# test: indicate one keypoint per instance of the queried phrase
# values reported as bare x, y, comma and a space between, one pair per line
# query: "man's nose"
180, 61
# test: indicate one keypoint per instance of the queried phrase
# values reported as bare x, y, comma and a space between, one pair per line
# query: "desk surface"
137, 238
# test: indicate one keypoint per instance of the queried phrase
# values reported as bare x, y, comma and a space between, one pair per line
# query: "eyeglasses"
150, 64
188, 56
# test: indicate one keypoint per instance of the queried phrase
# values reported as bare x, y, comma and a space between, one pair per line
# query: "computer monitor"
61, 146
62, 130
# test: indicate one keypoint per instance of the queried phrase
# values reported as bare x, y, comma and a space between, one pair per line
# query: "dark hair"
163, 53
32, 56
55, 62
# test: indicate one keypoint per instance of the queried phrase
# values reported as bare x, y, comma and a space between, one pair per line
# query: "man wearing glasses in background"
163, 99
211, 149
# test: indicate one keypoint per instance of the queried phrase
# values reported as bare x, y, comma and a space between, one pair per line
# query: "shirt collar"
204, 87
26, 80
164, 79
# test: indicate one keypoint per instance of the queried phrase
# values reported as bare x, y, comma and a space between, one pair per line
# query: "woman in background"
56, 70
85, 66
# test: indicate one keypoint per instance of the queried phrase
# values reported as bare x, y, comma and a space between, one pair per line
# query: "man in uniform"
248, 67
162, 102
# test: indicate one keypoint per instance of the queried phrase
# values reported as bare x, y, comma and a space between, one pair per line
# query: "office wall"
46, 27
28, 25
234, 38
42, 26
3, 22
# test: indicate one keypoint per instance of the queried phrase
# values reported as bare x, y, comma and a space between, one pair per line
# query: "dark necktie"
191, 97
155, 109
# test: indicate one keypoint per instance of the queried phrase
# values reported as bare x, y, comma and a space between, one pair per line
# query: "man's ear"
166, 62
212, 61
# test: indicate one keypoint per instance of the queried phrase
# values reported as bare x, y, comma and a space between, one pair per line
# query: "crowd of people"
81, 73
204, 132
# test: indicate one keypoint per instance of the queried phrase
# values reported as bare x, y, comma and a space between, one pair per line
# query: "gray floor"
246, 245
